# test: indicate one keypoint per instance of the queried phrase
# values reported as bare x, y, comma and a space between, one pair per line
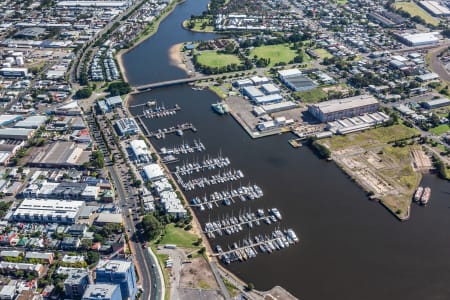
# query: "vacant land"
194, 275
440, 129
276, 53
374, 137
323, 53
178, 236
312, 96
383, 170
217, 60
414, 10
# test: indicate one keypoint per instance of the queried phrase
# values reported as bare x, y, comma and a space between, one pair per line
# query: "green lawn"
372, 137
440, 129
217, 60
276, 53
414, 10
340, 2
178, 236
312, 96
200, 25
323, 53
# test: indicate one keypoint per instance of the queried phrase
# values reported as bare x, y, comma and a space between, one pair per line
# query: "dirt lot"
193, 275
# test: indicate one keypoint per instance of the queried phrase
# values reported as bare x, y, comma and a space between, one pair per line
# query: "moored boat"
425, 196
418, 194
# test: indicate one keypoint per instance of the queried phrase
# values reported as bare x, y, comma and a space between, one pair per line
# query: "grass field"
199, 25
414, 10
178, 236
440, 129
216, 60
276, 53
312, 96
323, 53
372, 137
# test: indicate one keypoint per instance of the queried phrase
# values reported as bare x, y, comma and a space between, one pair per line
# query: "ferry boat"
425, 196
418, 194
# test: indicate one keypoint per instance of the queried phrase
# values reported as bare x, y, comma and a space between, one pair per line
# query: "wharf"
266, 244
202, 182
206, 164
234, 224
178, 129
243, 193
160, 111
184, 148
142, 125
295, 143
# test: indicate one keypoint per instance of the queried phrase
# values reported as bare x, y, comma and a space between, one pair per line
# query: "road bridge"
147, 87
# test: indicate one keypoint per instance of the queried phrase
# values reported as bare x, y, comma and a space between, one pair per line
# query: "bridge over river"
147, 87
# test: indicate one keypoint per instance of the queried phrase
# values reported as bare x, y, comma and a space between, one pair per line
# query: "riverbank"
176, 57
385, 172
152, 29
198, 26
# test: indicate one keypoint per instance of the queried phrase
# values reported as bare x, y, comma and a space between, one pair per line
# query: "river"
351, 247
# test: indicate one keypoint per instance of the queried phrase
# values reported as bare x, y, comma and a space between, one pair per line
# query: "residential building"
102, 292
119, 272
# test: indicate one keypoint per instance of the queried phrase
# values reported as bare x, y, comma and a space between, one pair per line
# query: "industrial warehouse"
344, 108
58, 211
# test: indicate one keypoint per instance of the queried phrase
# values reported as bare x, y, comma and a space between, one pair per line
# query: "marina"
231, 225
183, 148
227, 197
201, 182
355, 231
206, 164
178, 129
160, 111
277, 240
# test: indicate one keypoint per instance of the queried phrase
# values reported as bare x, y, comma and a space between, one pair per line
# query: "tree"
250, 286
83, 93
86, 244
152, 226
119, 88
92, 257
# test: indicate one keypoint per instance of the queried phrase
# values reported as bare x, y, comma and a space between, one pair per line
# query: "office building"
127, 126
119, 272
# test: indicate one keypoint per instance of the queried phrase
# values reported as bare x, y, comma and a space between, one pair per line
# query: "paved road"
436, 65
75, 70
149, 277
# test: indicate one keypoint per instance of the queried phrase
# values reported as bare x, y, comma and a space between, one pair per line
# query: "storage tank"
19, 60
